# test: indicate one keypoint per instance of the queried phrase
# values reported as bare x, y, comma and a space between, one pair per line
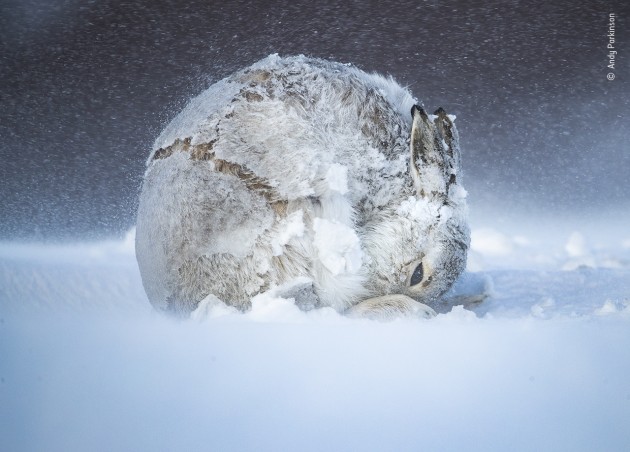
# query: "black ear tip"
417, 108
440, 111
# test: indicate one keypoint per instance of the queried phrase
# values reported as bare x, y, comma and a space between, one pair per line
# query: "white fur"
300, 169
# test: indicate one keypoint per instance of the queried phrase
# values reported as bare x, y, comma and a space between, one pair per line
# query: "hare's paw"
390, 307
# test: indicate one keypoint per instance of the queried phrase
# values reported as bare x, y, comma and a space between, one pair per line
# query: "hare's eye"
417, 275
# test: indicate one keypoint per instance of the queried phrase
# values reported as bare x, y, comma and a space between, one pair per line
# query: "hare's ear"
448, 131
434, 153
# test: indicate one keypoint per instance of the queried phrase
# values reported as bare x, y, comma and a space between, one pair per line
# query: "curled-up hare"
308, 174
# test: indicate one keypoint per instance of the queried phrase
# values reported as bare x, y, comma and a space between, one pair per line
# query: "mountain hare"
309, 175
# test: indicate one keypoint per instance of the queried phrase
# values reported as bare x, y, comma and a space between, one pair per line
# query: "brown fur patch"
251, 96
255, 76
203, 152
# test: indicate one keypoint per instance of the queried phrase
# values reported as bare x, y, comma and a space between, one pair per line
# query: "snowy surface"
542, 364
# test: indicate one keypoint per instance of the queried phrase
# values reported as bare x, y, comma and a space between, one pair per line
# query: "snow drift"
542, 364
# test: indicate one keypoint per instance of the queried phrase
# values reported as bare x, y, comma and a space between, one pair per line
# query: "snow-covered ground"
542, 364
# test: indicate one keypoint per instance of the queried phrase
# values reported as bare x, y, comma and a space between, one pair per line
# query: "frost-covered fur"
299, 169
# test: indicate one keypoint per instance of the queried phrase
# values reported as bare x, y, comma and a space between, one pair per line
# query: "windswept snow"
541, 364
338, 246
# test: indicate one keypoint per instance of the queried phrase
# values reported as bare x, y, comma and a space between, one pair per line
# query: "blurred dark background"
86, 86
